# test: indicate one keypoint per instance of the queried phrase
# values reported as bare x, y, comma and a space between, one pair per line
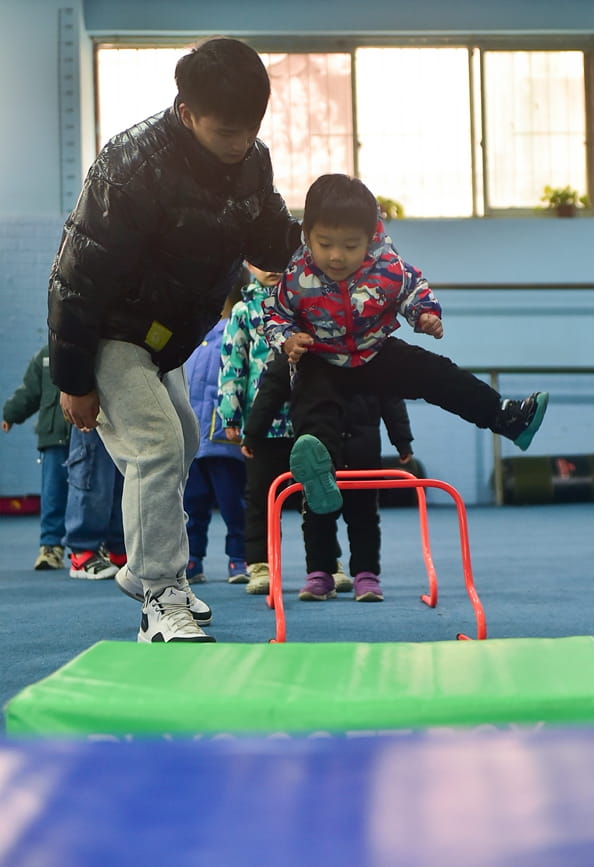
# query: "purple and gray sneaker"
319, 586
367, 588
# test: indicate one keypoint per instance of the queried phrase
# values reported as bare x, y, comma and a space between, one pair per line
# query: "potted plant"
390, 208
565, 200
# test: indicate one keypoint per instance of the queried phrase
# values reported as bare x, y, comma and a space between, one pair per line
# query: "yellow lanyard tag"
157, 336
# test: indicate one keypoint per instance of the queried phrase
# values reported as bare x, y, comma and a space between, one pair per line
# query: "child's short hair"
339, 200
225, 78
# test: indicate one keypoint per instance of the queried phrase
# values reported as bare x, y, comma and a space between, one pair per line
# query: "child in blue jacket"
217, 473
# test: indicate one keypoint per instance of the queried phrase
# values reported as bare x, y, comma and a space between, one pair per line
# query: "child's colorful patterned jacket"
244, 355
349, 320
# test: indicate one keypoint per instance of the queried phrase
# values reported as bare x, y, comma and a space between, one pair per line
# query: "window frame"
344, 44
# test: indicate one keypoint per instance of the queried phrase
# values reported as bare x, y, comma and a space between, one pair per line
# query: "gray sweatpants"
150, 430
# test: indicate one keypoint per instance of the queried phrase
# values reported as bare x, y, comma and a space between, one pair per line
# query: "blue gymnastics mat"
462, 799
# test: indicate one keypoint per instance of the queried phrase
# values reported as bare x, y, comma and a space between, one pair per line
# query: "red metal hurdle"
365, 479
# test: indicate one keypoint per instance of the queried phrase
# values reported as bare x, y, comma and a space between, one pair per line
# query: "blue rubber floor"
533, 570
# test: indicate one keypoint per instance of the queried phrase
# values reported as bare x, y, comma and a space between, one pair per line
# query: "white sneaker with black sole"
132, 587
167, 618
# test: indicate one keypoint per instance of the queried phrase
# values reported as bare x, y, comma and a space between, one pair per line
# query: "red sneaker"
91, 565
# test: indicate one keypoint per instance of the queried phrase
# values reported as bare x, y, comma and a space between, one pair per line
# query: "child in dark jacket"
332, 315
360, 449
217, 473
37, 393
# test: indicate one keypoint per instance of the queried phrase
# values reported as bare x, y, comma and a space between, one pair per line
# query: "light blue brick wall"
27, 248
461, 454
507, 328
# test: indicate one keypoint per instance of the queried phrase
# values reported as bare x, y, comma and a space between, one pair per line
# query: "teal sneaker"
519, 420
311, 465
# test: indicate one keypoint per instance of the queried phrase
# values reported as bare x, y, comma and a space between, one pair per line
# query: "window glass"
308, 126
133, 83
446, 131
535, 124
413, 127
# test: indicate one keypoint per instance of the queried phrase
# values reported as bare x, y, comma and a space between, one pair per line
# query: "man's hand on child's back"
297, 345
430, 324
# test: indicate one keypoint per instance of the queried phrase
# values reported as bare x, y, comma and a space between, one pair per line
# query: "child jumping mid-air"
332, 314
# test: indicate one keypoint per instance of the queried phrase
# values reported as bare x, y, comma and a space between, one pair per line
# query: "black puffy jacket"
154, 243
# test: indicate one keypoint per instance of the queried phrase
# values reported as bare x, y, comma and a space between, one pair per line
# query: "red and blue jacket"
349, 320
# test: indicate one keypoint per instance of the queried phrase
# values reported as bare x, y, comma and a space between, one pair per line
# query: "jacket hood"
254, 291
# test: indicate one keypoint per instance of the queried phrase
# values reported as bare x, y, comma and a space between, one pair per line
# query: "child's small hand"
405, 458
297, 345
430, 324
6, 425
233, 434
247, 452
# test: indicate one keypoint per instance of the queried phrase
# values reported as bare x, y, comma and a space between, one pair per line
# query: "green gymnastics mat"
121, 688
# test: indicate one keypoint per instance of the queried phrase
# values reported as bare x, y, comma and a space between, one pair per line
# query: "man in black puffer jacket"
168, 212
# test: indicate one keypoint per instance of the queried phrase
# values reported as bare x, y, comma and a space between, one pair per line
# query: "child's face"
338, 250
229, 143
265, 278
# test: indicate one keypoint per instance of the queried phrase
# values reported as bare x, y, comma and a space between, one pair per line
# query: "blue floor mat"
532, 567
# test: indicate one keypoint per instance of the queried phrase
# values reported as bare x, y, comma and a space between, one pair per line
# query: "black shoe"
518, 420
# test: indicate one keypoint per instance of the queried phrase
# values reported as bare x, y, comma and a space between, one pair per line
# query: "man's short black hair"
339, 200
225, 78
